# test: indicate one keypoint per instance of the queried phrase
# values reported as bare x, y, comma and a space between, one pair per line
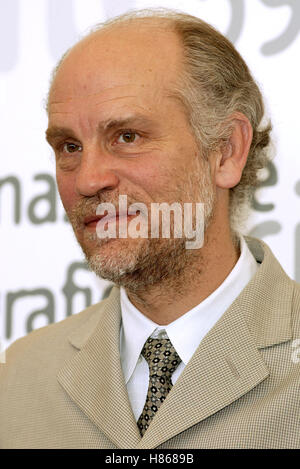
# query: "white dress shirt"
185, 333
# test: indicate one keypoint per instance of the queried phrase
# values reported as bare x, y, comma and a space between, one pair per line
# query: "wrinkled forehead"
126, 60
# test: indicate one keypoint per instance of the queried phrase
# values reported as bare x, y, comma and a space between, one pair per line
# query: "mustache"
87, 206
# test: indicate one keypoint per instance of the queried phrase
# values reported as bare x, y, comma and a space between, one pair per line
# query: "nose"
95, 173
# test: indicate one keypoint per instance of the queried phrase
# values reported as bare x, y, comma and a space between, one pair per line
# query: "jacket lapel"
225, 366
93, 378
227, 363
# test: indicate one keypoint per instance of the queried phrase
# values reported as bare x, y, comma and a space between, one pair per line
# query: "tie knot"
161, 356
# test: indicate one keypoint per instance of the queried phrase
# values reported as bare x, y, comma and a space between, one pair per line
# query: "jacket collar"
93, 377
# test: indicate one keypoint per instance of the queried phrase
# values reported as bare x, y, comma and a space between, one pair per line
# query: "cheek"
154, 173
66, 189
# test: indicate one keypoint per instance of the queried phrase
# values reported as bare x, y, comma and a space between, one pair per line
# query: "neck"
206, 270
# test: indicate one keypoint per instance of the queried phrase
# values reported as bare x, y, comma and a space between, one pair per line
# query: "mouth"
91, 222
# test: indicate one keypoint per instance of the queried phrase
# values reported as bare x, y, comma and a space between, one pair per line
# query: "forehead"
123, 60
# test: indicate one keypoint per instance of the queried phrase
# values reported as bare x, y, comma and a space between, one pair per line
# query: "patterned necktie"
163, 361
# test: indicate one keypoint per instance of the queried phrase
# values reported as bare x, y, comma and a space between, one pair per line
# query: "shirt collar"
135, 330
187, 331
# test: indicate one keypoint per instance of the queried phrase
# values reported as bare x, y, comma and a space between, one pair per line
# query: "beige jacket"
62, 385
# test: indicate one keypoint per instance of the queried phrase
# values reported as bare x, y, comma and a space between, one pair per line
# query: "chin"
114, 269
114, 259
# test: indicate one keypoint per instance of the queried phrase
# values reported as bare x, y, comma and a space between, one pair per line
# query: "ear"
233, 154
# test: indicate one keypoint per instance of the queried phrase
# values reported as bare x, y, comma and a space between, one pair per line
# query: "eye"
127, 137
69, 147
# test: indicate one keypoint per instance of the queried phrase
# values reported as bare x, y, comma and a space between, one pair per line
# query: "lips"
92, 220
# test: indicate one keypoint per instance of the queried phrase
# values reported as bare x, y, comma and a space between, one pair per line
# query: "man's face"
115, 130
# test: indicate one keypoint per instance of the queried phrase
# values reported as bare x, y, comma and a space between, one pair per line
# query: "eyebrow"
55, 132
125, 121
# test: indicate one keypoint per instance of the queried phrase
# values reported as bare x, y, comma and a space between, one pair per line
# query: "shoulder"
49, 345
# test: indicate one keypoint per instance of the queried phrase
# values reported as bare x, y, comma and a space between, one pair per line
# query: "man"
193, 348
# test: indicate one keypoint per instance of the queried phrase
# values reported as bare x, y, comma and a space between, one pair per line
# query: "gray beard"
145, 262
153, 262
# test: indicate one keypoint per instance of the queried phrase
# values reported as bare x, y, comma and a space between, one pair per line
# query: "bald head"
142, 53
